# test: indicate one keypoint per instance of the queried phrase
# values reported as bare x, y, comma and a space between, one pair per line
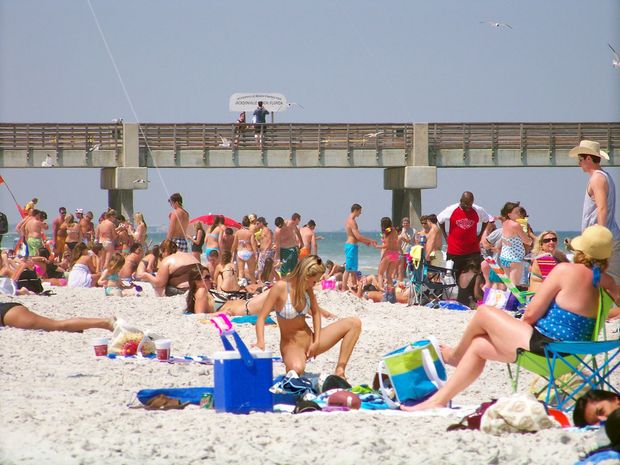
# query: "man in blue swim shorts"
351, 247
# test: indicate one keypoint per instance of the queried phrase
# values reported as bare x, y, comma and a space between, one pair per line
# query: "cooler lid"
234, 354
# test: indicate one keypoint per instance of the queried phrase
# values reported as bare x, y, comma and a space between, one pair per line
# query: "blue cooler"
242, 378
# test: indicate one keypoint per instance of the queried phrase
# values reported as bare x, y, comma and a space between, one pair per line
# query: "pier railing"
444, 139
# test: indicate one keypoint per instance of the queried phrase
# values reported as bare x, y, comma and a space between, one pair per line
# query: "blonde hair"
139, 217
311, 265
539, 240
584, 259
116, 263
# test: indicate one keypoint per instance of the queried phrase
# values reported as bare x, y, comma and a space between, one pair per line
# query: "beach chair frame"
567, 362
421, 289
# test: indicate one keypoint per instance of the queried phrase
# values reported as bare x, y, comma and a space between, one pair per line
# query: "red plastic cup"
162, 348
100, 345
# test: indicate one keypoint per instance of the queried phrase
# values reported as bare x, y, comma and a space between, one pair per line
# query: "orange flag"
1, 179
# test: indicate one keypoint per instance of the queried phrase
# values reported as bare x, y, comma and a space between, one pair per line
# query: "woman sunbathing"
564, 308
15, 315
293, 299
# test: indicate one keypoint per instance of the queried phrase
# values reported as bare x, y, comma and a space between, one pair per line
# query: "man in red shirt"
463, 237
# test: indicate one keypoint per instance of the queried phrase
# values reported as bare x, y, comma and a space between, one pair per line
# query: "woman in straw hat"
564, 309
292, 299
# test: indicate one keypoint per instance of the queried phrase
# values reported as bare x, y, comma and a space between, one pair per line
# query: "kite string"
133, 109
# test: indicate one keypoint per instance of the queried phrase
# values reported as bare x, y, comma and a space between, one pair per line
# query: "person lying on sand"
16, 315
293, 299
201, 300
564, 308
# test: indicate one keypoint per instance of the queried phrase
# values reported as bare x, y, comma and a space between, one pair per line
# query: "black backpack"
4, 224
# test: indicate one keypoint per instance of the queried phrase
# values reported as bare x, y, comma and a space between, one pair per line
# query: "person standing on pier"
599, 204
178, 222
259, 123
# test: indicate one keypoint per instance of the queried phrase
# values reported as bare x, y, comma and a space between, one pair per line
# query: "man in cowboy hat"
599, 204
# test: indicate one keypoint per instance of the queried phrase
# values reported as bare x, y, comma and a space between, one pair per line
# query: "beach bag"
500, 299
128, 340
520, 413
416, 371
7, 286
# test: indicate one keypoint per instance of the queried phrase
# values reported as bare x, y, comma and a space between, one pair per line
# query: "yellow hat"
595, 241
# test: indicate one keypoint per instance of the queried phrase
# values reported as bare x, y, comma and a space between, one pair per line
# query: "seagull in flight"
290, 104
94, 148
372, 135
496, 24
140, 181
225, 142
615, 62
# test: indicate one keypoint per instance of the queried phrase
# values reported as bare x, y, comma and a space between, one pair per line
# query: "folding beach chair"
571, 367
422, 289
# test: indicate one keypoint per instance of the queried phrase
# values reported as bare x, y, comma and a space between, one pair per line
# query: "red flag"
21, 211
1, 179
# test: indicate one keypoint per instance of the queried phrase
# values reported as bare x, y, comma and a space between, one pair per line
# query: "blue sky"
344, 61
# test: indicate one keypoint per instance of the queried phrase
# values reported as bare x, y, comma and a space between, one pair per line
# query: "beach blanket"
188, 394
448, 305
202, 359
250, 320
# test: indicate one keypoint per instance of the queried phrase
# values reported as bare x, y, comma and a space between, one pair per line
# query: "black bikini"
4, 309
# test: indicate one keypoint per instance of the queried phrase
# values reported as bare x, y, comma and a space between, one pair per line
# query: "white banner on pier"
249, 101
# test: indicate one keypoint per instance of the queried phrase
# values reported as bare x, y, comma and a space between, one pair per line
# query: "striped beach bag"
416, 371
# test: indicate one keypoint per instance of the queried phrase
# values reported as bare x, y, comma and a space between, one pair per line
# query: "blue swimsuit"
562, 325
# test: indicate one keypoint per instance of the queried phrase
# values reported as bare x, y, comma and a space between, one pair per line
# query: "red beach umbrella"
210, 219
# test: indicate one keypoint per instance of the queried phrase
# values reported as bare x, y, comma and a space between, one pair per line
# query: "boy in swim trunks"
178, 222
351, 248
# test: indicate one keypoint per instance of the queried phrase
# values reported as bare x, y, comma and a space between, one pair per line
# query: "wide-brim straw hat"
588, 147
595, 241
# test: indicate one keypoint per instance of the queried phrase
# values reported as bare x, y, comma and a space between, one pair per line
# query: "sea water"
330, 244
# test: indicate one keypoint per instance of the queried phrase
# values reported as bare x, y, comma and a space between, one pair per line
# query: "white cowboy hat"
588, 147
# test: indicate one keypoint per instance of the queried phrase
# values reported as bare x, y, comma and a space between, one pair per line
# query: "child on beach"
111, 282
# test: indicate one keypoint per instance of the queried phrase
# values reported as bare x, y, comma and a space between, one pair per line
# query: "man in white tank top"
599, 204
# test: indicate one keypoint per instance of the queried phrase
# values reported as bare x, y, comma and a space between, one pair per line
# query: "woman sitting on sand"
83, 269
564, 308
293, 299
173, 272
15, 315
547, 256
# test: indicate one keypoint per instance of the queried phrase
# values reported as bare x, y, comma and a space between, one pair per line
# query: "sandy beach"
62, 405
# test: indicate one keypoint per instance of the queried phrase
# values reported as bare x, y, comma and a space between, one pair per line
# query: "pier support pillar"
121, 200
407, 203
122, 181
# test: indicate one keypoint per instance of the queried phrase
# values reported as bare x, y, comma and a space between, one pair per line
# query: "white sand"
61, 404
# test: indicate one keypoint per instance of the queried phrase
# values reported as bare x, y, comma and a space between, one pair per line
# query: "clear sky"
344, 61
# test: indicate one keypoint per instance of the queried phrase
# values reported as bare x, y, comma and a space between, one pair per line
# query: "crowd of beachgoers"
461, 255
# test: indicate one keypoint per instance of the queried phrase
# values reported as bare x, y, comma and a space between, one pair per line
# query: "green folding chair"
569, 367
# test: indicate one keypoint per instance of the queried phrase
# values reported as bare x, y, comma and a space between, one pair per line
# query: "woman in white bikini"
293, 299
244, 249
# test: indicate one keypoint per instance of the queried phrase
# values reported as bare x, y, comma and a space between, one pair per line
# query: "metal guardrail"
464, 136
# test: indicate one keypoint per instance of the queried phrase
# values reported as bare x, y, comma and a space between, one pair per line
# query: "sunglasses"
549, 239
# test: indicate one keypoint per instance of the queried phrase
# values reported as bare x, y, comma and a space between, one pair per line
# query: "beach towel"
200, 359
188, 394
250, 320
448, 305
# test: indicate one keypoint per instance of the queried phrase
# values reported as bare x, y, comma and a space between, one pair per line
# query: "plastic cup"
162, 347
100, 345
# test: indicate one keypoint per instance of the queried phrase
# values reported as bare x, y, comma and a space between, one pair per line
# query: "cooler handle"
247, 358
